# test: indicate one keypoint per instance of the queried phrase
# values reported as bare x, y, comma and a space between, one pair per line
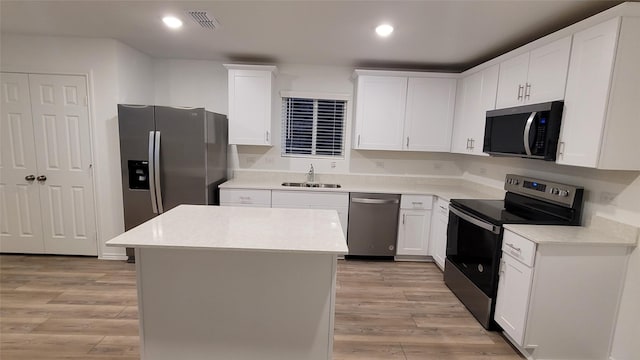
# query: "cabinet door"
250, 107
438, 238
413, 232
429, 114
380, 112
20, 219
592, 59
547, 76
476, 96
512, 301
513, 76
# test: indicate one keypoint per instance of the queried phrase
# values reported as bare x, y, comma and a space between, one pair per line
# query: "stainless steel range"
474, 235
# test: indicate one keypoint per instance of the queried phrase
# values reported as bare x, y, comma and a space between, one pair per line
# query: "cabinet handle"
42, 178
472, 143
407, 142
403, 218
416, 202
468, 143
561, 148
520, 88
358, 140
513, 247
267, 136
30, 177
527, 91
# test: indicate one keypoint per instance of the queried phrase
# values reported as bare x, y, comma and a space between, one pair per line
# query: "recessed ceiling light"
172, 22
384, 30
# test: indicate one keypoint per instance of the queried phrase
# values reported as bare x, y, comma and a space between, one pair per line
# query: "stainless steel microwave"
529, 131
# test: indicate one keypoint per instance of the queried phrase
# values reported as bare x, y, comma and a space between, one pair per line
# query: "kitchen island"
236, 283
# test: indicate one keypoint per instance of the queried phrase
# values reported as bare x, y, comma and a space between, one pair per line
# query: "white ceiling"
451, 34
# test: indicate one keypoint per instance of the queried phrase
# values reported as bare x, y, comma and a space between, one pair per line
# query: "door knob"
42, 178
30, 177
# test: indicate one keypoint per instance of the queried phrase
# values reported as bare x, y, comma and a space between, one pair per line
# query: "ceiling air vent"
203, 19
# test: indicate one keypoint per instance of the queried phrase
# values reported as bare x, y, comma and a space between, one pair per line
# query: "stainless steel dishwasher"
373, 224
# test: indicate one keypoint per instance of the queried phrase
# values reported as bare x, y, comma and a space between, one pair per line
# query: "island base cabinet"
205, 304
564, 303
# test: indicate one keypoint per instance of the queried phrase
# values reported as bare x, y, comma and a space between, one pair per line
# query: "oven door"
473, 246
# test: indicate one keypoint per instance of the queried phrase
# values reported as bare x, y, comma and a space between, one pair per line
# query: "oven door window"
475, 251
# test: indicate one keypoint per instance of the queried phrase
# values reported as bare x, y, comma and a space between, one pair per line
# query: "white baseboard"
113, 257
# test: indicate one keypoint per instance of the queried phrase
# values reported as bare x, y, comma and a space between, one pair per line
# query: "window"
312, 127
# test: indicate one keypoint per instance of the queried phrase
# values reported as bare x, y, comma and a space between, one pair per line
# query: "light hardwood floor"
55, 307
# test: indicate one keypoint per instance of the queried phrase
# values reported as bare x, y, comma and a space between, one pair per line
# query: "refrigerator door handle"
152, 178
156, 168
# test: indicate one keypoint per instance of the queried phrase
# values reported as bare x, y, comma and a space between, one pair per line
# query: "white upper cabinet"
429, 114
380, 107
600, 124
476, 95
536, 76
250, 97
403, 112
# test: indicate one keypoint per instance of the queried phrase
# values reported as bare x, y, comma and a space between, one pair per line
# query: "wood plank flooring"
56, 307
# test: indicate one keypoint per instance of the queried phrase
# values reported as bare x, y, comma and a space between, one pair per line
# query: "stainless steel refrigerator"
169, 156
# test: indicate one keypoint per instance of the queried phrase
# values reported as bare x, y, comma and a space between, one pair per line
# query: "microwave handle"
527, 131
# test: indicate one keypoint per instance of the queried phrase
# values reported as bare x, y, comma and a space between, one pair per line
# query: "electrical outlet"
333, 164
483, 171
251, 160
437, 166
607, 197
380, 164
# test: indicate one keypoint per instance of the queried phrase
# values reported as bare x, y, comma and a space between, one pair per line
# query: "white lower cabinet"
414, 225
314, 200
438, 236
514, 290
245, 197
559, 301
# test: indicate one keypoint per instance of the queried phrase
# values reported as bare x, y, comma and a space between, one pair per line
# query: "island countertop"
239, 229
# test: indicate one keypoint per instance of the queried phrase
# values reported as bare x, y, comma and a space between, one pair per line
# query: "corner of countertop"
616, 228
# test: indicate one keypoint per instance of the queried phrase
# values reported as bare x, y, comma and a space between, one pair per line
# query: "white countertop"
600, 232
447, 192
239, 229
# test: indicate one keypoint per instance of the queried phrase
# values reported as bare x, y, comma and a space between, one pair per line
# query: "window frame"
315, 96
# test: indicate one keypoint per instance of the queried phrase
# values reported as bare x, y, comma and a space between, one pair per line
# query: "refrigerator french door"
169, 156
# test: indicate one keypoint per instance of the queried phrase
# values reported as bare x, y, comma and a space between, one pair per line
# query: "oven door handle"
475, 221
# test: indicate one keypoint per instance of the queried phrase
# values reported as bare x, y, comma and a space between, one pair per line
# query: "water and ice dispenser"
138, 174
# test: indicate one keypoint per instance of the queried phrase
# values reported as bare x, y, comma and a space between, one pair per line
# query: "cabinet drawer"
418, 202
245, 196
520, 248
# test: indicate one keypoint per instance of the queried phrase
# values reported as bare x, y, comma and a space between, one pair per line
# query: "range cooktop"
528, 201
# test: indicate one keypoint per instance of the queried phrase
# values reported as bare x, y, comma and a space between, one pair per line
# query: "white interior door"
61, 132
20, 220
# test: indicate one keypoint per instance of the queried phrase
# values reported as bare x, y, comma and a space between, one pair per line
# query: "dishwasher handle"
374, 201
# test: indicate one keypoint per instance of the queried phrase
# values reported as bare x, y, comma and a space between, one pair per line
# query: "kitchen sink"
311, 185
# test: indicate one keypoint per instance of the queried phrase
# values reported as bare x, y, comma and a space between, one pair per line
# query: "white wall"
105, 62
623, 187
191, 83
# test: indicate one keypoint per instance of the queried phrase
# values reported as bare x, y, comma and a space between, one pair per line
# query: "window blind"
312, 127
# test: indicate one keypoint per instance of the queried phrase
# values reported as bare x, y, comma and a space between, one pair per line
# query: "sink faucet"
311, 175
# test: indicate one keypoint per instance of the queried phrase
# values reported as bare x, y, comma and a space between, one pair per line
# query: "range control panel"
559, 193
